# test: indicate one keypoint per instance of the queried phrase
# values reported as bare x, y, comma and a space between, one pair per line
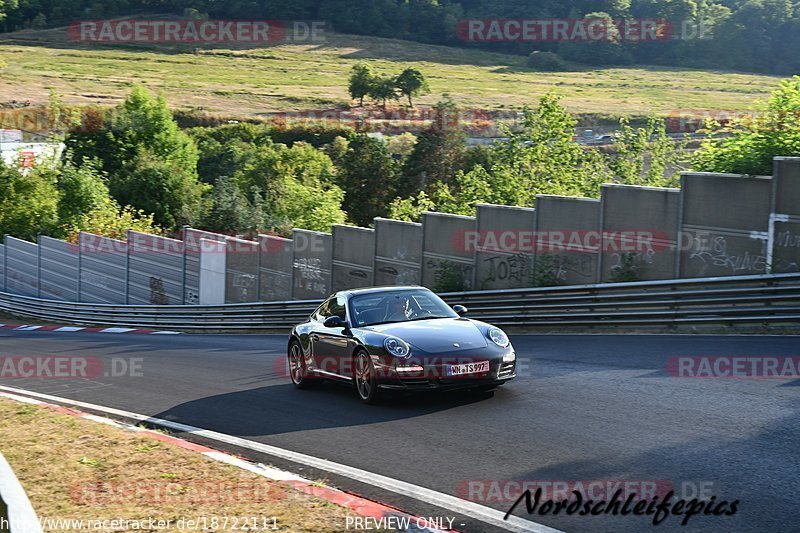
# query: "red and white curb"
361, 506
72, 329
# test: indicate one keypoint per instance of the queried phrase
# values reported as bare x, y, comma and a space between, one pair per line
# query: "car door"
317, 348
333, 343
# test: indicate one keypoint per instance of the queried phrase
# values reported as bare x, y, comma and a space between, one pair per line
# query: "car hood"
436, 335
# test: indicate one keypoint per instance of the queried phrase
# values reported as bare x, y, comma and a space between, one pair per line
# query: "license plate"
468, 368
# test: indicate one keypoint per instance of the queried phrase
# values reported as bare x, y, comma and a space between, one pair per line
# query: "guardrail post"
38, 266
5, 255
128, 266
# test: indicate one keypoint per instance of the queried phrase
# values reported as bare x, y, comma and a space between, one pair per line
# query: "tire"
297, 366
364, 378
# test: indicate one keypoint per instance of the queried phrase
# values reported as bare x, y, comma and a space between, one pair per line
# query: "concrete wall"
155, 275
504, 247
103, 269
353, 257
724, 224
191, 239
275, 282
311, 266
22, 267
715, 225
567, 240
447, 262
398, 252
784, 252
58, 269
640, 228
241, 271
213, 271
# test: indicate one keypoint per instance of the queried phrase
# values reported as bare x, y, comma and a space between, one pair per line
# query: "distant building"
16, 152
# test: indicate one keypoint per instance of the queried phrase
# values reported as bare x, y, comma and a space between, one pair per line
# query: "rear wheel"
297, 366
364, 377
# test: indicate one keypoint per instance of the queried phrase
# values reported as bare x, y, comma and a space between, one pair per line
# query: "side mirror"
460, 310
334, 322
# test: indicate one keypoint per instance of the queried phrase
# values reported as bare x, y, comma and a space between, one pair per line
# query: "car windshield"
397, 306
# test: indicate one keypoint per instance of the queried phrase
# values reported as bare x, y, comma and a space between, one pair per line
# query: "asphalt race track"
595, 407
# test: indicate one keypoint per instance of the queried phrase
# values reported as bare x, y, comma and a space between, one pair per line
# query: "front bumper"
433, 376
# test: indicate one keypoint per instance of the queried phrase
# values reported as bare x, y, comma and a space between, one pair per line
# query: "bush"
547, 61
450, 277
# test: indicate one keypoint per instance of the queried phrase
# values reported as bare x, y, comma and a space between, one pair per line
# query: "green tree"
751, 143
440, 151
610, 50
383, 89
402, 145
83, 188
6, 6
315, 207
142, 132
411, 82
646, 156
369, 179
410, 209
28, 202
229, 210
163, 188
361, 82
108, 219
540, 157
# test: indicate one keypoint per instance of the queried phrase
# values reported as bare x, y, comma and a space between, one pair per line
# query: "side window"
322, 312
337, 307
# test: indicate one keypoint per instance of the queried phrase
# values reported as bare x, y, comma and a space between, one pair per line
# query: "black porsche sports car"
401, 338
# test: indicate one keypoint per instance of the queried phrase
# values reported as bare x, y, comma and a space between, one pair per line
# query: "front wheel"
364, 378
297, 366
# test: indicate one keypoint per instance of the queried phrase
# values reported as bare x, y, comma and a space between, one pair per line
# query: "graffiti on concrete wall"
310, 276
514, 267
717, 253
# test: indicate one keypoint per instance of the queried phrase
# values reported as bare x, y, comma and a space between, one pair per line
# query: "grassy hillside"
291, 77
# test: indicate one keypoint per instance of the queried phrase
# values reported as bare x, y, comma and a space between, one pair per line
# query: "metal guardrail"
763, 299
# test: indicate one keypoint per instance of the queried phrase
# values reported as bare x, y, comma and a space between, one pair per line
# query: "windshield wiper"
426, 318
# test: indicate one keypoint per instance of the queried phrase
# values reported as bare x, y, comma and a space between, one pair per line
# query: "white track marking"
439, 499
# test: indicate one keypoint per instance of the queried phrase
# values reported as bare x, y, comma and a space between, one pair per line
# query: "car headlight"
499, 337
397, 347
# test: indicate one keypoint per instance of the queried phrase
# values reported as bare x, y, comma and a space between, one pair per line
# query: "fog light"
509, 357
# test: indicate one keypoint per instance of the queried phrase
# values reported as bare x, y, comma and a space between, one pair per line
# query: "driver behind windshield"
397, 309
